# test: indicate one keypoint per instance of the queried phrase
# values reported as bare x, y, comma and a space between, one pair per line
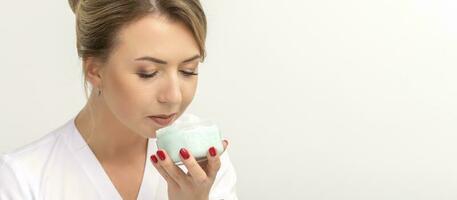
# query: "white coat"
61, 166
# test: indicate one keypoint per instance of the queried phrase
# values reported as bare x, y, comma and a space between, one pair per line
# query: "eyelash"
146, 76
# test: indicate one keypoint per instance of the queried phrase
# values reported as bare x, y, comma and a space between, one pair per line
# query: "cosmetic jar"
195, 134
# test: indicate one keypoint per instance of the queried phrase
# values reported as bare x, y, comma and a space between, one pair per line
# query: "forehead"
158, 36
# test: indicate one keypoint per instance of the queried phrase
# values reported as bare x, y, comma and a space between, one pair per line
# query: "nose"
170, 92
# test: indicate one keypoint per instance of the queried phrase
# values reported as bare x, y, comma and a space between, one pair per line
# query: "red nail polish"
184, 153
212, 151
154, 158
161, 154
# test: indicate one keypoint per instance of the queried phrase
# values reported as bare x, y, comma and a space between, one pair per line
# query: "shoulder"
37, 150
11, 184
21, 168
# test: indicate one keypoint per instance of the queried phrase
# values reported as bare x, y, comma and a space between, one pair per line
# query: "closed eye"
150, 75
186, 73
146, 76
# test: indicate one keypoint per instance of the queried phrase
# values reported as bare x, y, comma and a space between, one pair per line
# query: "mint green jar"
196, 135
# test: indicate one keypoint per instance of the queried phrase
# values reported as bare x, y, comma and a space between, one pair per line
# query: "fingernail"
184, 153
212, 151
154, 158
161, 154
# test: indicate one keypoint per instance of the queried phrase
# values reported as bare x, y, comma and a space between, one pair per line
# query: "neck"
107, 137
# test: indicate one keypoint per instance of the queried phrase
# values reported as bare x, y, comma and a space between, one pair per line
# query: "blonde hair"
99, 21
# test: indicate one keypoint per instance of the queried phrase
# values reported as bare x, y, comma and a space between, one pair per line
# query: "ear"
93, 68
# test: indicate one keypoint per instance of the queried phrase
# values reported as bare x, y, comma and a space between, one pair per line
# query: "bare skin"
116, 124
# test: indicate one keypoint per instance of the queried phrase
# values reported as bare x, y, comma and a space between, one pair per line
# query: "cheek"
126, 96
188, 91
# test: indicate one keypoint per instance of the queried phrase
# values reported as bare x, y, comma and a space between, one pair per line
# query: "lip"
163, 120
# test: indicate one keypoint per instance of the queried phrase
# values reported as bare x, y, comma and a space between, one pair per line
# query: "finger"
162, 171
214, 162
195, 170
204, 165
225, 145
174, 171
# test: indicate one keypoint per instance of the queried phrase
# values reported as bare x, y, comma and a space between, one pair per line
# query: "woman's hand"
197, 182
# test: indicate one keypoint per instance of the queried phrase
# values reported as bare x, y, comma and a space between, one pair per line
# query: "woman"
141, 58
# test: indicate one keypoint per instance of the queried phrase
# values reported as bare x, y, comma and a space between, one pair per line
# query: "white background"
325, 99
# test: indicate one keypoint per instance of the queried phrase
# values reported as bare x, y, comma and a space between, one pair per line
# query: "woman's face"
149, 72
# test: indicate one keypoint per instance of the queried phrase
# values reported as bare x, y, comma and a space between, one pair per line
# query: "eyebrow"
159, 61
